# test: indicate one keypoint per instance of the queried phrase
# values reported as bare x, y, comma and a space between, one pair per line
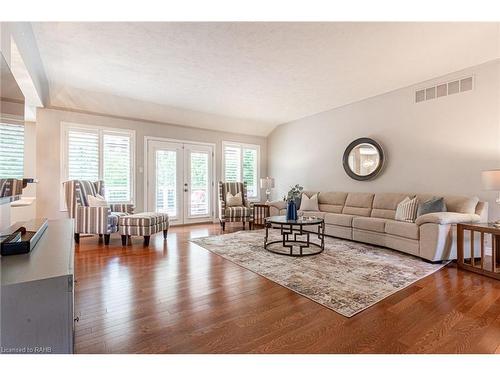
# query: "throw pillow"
407, 210
234, 200
97, 201
435, 204
309, 204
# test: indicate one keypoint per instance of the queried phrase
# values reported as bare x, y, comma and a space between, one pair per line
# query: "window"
94, 153
241, 163
11, 150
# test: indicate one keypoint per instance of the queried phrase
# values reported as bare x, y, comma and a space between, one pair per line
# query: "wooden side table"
260, 212
486, 264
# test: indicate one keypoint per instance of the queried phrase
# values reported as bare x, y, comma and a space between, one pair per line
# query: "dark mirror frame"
352, 145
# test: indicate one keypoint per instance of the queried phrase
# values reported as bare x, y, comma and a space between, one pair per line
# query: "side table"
484, 264
260, 212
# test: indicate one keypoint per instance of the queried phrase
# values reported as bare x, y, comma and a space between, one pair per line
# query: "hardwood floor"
176, 297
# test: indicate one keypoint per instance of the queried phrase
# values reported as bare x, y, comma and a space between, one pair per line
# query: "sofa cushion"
143, 219
373, 224
237, 212
402, 229
359, 204
385, 204
339, 219
332, 201
463, 205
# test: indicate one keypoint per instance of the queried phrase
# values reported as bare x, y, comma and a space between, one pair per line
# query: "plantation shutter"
250, 171
83, 155
11, 151
232, 163
116, 167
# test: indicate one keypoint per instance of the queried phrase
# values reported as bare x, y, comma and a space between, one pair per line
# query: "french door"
180, 180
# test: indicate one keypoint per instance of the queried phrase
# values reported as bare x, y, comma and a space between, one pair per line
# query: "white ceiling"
247, 77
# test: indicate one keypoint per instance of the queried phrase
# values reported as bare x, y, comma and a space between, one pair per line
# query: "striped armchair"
92, 220
236, 213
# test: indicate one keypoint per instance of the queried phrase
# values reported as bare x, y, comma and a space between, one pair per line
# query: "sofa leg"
243, 225
146, 240
106, 239
165, 233
223, 225
77, 237
124, 240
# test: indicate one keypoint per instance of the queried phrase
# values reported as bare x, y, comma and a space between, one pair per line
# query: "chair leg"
77, 237
146, 240
124, 240
165, 233
223, 225
106, 239
243, 225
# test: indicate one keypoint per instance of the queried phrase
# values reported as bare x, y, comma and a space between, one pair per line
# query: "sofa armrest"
122, 207
447, 218
277, 204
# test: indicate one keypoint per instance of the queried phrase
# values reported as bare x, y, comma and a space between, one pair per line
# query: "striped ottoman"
143, 224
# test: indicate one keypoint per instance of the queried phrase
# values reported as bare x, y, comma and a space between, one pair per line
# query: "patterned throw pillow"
407, 210
234, 200
309, 204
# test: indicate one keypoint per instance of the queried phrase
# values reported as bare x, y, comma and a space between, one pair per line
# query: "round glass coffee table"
304, 227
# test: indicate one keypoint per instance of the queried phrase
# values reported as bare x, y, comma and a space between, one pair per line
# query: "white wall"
49, 153
438, 146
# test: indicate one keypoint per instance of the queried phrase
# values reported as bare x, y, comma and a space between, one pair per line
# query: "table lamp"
491, 181
267, 183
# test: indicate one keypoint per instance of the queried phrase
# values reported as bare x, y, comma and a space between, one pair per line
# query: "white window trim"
242, 146
65, 126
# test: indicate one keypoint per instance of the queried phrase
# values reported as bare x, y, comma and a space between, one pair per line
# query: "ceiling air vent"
444, 89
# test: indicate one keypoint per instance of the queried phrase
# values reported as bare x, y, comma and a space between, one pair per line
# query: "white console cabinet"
36, 301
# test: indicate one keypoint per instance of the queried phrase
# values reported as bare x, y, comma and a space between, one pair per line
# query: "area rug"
347, 277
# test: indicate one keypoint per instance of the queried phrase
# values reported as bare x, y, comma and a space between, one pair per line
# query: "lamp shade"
491, 179
267, 183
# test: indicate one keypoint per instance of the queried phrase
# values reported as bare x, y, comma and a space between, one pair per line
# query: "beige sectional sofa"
369, 217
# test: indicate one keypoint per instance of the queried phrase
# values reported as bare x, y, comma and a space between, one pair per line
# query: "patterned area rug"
347, 277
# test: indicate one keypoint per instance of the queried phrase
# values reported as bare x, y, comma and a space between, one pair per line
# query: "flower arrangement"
294, 193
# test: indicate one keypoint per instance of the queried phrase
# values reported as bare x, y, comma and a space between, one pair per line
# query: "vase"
291, 210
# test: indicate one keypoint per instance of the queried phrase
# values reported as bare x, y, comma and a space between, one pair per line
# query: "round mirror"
363, 159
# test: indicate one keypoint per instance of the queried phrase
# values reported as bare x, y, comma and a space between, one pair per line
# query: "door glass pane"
200, 193
166, 182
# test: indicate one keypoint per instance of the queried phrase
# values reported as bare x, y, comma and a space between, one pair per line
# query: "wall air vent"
444, 89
